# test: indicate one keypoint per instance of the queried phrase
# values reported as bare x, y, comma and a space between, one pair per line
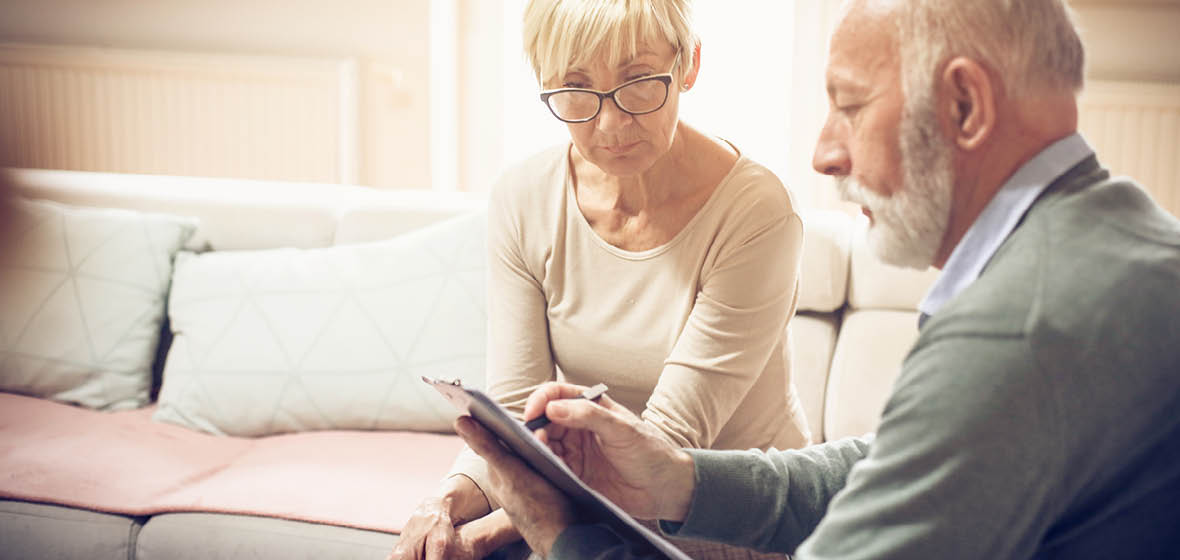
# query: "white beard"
908, 227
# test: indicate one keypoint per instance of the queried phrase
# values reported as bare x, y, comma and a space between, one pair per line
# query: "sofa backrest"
878, 326
856, 317
252, 214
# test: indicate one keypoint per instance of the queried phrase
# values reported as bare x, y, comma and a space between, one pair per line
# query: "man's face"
885, 151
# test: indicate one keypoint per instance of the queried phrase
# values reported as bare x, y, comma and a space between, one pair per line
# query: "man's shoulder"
1107, 245
1088, 266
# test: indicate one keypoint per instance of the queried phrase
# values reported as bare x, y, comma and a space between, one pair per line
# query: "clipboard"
586, 500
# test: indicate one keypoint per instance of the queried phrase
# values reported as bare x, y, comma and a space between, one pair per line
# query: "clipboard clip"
436, 381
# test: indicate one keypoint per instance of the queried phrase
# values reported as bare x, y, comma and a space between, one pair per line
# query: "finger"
407, 549
436, 544
504, 466
400, 552
553, 437
549, 392
604, 417
551, 433
480, 440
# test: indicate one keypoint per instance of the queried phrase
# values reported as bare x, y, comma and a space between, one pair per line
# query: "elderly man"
1037, 414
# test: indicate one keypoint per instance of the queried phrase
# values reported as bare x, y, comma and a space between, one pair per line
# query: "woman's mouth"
621, 148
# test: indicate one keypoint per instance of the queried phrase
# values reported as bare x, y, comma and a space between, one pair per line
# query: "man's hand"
431, 535
538, 510
433, 532
615, 452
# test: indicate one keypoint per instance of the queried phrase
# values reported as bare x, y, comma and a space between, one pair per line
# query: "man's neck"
979, 174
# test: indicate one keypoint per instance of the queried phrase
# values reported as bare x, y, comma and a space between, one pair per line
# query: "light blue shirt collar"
1000, 217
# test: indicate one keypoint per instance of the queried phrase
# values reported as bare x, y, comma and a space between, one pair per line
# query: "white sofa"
856, 321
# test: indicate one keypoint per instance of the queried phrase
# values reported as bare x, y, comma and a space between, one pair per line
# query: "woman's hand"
615, 452
538, 510
431, 532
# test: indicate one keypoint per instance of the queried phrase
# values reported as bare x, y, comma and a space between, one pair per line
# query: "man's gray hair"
1029, 44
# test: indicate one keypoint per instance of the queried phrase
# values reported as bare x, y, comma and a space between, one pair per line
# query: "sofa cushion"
287, 340
824, 273
873, 284
867, 360
30, 530
813, 339
199, 536
123, 462
82, 300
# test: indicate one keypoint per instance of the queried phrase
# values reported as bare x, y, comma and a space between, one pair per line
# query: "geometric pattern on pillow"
82, 295
287, 340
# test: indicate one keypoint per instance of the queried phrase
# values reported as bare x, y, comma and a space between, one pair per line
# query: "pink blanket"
124, 463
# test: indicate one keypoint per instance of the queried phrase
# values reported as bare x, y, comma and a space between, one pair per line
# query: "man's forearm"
767, 500
599, 542
490, 532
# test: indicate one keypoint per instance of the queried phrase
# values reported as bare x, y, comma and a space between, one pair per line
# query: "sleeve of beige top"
741, 310
518, 352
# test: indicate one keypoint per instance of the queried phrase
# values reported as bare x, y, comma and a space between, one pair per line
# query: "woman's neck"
671, 177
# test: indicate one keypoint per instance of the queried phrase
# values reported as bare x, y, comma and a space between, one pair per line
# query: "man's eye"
850, 110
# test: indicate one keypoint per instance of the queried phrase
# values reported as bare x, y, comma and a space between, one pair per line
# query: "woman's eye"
575, 85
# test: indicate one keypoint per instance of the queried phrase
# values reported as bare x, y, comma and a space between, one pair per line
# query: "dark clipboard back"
589, 502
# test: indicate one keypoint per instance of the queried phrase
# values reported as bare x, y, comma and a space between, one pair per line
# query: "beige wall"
1126, 40
1131, 40
389, 39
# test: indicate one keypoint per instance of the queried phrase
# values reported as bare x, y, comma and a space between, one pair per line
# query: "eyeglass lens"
640, 97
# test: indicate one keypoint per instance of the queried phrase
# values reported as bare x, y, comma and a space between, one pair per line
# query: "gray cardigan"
1037, 416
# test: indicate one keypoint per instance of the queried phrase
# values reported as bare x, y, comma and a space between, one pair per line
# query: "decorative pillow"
82, 294
287, 340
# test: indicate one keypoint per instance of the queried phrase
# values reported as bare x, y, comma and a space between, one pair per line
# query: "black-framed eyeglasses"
636, 97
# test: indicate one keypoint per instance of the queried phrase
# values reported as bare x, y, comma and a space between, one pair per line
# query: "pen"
541, 421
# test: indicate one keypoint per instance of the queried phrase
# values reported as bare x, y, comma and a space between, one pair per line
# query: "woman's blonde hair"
564, 34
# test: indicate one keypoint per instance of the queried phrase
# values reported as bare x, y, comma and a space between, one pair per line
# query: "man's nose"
611, 117
831, 153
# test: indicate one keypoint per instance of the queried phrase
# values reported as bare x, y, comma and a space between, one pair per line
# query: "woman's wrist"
463, 500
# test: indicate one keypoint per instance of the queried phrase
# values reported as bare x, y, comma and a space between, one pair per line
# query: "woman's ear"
970, 101
690, 77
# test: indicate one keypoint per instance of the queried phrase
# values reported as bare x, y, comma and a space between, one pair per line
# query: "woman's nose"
611, 117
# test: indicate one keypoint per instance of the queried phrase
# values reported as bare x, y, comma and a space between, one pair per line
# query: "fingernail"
557, 410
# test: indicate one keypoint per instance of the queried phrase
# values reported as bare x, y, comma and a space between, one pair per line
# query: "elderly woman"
644, 254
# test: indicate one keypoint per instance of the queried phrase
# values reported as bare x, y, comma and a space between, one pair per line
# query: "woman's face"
619, 143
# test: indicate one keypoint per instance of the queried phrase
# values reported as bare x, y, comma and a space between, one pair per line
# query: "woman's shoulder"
753, 190
543, 167
531, 191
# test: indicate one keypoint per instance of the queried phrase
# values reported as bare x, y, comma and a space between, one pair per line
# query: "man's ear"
690, 78
970, 98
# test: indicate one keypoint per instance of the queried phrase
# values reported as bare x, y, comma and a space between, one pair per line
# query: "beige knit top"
690, 335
